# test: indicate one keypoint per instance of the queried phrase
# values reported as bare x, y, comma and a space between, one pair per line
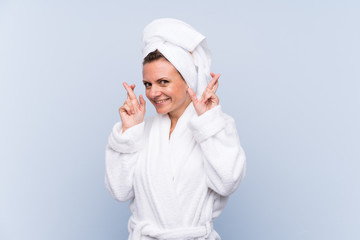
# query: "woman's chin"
161, 111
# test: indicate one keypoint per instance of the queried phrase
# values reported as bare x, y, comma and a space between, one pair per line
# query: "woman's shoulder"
148, 121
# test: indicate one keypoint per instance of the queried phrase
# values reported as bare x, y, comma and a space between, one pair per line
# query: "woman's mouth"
162, 101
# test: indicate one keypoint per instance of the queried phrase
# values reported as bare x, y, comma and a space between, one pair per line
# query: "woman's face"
165, 88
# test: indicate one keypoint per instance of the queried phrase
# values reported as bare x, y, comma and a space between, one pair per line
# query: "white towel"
183, 46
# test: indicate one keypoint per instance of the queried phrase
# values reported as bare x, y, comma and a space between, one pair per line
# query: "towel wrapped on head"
183, 46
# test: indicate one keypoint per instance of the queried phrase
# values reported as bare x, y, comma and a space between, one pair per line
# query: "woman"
179, 167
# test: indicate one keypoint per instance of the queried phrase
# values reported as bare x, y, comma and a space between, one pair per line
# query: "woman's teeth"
161, 101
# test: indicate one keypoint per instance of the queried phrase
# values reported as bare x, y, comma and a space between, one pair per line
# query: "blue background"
290, 78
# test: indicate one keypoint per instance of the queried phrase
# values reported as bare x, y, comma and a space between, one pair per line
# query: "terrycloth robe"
176, 185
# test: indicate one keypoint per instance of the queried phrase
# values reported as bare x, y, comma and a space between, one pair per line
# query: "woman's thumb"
142, 100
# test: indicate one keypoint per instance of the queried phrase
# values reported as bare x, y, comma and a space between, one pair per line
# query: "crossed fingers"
130, 91
211, 87
214, 83
208, 99
131, 104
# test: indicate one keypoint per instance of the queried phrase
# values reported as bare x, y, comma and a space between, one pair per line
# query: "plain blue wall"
290, 78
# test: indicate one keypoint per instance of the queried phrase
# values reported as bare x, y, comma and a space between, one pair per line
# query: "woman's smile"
162, 101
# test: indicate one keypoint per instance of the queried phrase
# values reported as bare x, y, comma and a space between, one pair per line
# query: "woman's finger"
128, 109
130, 90
142, 101
123, 109
192, 95
130, 105
207, 95
213, 80
131, 95
217, 100
215, 86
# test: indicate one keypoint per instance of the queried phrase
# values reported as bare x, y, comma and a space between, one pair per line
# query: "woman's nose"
154, 92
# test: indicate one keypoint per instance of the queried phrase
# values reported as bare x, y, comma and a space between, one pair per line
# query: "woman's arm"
225, 161
121, 156
125, 142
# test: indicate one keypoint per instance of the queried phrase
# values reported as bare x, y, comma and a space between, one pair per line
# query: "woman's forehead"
158, 69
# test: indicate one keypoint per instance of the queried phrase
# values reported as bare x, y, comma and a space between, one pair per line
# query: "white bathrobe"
176, 185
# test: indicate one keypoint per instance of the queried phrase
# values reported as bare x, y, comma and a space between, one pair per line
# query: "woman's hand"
208, 99
133, 111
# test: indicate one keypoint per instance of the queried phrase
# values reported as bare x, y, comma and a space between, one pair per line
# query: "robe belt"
148, 229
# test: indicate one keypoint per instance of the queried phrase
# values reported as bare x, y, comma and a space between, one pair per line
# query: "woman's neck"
174, 117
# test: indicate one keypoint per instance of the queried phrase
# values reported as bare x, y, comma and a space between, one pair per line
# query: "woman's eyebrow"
159, 79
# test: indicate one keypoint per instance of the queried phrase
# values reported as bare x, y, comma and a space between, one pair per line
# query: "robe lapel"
159, 173
179, 157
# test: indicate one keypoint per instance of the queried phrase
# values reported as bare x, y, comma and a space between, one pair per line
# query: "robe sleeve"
224, 158
121, 156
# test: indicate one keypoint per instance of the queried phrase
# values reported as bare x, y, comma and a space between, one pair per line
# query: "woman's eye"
163, 82
147, 85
